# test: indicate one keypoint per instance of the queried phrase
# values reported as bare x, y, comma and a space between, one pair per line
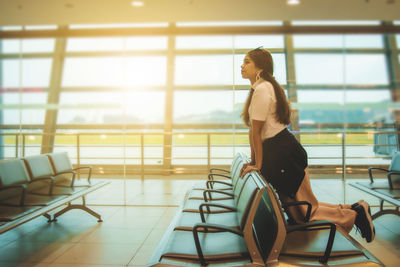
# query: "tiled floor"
129, 234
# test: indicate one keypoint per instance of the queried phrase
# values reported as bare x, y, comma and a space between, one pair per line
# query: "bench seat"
216, 246
29, 188
188, 219
33, 200
313, 244
8, 214
253, 233
389, 195
192, 205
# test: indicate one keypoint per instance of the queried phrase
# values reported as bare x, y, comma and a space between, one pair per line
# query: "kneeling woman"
280, 157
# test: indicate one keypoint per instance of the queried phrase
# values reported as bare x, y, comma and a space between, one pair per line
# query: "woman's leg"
343, 206
339, 214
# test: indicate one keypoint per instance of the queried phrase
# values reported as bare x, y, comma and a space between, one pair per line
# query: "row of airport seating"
34, 186
235, 221
386, 190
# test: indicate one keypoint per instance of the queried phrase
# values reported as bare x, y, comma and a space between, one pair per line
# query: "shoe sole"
367, 213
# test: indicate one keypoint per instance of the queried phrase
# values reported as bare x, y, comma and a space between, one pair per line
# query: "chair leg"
382, 211
81, 207
48, 216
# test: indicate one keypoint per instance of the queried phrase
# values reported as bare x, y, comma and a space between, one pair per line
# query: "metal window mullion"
169, 98
1, 102
49, 127
291, 80
393, 65
63, 32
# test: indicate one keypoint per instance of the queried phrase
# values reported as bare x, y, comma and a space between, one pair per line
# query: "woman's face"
249, 69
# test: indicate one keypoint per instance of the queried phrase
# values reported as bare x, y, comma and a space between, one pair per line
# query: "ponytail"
282, 111
245, 113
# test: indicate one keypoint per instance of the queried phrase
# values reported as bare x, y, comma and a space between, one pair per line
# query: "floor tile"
143, 255
25, 251
116, 254
117, 235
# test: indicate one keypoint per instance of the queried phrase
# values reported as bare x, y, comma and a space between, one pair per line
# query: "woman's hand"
243, 168
249, 168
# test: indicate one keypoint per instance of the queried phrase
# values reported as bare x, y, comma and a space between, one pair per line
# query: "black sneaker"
370, 216
364, 221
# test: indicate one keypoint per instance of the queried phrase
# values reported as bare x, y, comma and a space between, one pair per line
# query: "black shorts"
284, 161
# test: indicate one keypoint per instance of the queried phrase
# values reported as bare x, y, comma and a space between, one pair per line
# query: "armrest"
90, 171
73, 176
219, 169
214, 191
211, 182
211, 176
21, 186
332, 232
300, 203
389, 176
374, 168
39, 179
207, 226
208, 205
64, 172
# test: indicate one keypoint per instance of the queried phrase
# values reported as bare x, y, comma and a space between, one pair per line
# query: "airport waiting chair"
39, 167
233, 215
387, 190
257, 242
65, 173
212, 197
17, 191
393, 174
213, 186
220, 184
320, 243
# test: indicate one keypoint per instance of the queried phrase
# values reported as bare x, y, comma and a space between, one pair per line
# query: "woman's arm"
256, 145
257, 142
253, 157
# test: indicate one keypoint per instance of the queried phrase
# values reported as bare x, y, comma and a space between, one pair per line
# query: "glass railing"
335, 154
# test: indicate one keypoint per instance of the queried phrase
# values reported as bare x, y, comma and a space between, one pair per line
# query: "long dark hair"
263, 60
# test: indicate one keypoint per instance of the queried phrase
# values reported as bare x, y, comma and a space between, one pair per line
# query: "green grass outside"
188, 139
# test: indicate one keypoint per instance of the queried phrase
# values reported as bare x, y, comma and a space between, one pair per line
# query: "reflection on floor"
129, 234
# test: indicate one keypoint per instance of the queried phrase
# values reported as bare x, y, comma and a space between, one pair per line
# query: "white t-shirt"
262, 108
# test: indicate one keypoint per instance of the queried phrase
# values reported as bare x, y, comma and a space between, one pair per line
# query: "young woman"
280, 157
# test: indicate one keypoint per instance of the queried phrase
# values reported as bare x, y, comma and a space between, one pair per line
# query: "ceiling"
63, 12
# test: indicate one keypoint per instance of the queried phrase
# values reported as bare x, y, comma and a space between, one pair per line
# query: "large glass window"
115, 71
341, 69
111, 107
18, 73
338, 41
116, 43
204, 70
124, 109
213, 107
15, 46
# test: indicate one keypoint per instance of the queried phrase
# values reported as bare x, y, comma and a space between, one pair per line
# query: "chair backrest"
39, 166
395, 164
236, 159
13, 172
60, 162
235, 175
265, 230
236, 167
246, 198
238, 187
